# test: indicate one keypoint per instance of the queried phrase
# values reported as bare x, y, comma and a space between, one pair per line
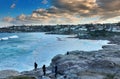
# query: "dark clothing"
44, 70
35, 66
56, 71
65, 76
67, 53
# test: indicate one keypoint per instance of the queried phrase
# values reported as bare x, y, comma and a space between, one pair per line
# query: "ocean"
19, 51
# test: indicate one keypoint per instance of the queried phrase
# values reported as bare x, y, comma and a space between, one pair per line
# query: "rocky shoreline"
101, 64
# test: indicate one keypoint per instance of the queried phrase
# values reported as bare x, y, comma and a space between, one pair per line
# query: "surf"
9, 37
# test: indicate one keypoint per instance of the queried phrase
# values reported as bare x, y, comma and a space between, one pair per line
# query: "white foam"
10, 37
4, 38
14, 36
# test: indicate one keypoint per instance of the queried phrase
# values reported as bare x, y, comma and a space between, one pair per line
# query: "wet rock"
45, 77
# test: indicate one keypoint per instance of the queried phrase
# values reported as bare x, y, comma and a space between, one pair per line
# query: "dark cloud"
74, 5
108, 8
104, 8
109, 5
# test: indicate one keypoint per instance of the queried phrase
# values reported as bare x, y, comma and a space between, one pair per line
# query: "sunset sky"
19, 12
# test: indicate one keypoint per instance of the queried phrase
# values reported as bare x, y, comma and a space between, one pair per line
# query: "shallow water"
19, 51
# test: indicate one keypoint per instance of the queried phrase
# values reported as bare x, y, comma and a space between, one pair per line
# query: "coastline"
99, 64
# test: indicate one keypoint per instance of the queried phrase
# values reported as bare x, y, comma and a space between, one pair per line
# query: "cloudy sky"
19, 12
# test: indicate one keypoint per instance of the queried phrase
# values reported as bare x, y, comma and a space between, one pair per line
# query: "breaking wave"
9, 37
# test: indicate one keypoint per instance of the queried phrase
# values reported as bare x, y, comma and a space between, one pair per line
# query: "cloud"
108, 8
44, 1
53, 15
13, 5
8, 19
73, 12
109, 5
86, 8
75, 5
22, 17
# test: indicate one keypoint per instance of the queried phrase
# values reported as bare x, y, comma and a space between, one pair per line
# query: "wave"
9, 37
4, 38
14, 36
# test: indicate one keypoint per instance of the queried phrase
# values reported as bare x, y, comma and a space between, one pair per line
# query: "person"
44, 70
67, 53
65, 76
56, 71
35, 66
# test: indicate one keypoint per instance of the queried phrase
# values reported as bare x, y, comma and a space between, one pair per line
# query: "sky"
37, 12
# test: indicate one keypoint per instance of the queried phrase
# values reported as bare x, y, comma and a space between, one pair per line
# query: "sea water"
19, 51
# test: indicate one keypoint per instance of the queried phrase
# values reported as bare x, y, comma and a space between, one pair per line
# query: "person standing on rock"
35, 66
56, 71
44, 70
67, 53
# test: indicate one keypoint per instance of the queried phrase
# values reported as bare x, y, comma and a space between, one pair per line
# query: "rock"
69, 62
111, 47
62, 58
77, 52
21, 77
115, 60
102, 63
45, 77
37, 74
103, 66
56, 58
117, 76
7, 73
72, 76
92, 77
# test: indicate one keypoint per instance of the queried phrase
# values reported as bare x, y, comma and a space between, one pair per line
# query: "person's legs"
44, 72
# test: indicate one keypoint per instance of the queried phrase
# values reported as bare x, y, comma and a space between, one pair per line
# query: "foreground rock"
102, 64
7, 73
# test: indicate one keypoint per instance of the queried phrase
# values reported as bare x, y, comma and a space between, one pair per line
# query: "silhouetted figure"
56, 71
53, 69
67, 53
65, 76
35, 66
44, 70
